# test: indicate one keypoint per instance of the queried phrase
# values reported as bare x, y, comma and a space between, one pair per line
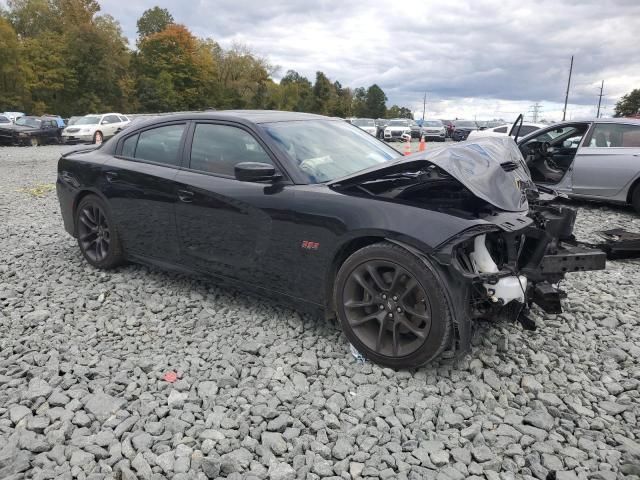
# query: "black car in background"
32, 131
406, 251
462, 128
448, 125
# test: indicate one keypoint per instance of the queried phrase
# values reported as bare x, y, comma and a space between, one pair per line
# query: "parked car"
448, 124
590, 159
434, 130
95, 128
397, 129
59, 120
32, 131
381, 124
13, 116
72, 120
366, 124
462, 129
416, 129
503, 130
405, 251
4, 120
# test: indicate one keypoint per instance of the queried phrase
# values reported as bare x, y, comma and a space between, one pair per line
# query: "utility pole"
424, 105
566, 97
535, 111
600, 99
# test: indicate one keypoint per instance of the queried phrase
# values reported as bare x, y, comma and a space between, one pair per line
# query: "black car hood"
492, 168
17, 128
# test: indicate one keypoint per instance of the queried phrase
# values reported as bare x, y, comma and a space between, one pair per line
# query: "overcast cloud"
484, 58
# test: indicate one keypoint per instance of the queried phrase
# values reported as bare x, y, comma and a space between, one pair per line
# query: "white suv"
94, 128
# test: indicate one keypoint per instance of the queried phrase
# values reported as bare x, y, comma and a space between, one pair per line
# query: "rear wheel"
635, 198
97, 234
392, 307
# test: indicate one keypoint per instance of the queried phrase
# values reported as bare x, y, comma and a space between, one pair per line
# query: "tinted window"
611, 135
112, 119
129, 146
123, 118
504, 130
218, 148
4, 119
160, 144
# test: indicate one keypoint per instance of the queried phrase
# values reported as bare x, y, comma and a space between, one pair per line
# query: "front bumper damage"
506, 269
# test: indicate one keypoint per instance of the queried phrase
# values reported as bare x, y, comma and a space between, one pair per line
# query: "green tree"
376, 102
399, 112
322, 91
12, 85
359, 102
297, 92
153, 20
629, 104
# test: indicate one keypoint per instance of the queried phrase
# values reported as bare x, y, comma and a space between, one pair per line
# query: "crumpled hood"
492, 168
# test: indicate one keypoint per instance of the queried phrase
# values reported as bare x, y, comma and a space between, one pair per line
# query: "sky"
479, 59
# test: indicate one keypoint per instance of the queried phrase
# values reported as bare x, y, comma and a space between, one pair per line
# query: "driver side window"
607, 135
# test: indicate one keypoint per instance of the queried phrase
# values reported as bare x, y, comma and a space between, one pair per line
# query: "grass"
39, 190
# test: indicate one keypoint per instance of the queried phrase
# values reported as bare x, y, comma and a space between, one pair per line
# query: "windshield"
398, 123
465, 124
432, 123
29, 122
363, 122
88, 121
324, 150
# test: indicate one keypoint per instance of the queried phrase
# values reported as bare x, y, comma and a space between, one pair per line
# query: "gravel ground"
263, 392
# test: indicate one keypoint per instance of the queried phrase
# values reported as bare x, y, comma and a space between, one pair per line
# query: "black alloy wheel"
97, 236
392, 307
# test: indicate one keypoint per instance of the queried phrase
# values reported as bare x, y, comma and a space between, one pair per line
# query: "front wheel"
98, 237
392, 307
635, 198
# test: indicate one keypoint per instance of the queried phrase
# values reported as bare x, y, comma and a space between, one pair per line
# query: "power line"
600, 99
535, 111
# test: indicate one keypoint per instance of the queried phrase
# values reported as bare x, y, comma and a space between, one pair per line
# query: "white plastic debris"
356, 354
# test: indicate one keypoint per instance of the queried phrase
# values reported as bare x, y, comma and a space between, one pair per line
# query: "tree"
376, 102
359, 102
322, 91
153, 20
629, 104
297, 92
11, 76
399, 112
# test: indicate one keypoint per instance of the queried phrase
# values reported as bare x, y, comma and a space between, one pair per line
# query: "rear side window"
218, 148
129, 146
112, 119
611, 135
160, 144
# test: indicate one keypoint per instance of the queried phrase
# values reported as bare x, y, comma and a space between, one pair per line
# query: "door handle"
111, 176
185, 196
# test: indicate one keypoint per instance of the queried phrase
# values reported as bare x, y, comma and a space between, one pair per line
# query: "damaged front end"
518, 253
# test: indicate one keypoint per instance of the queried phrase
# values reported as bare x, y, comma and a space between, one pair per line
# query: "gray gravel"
263, 392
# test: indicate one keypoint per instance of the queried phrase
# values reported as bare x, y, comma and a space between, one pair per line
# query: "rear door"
139, 183
608, 160
225, 226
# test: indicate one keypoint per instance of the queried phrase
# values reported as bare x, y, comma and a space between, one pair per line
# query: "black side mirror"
255, 172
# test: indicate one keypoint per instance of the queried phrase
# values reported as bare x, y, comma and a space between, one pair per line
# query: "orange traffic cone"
407, 147
423, 144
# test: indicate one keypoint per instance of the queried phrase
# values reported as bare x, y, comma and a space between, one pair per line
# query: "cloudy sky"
476, 58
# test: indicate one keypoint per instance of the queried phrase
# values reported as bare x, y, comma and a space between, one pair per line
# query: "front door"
224, 225
608, 161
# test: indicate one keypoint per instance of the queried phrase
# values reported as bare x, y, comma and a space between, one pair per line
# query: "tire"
34, 142
98, 138
97, 234
635, 198
401, 320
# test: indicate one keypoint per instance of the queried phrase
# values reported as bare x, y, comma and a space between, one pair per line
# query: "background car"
366, 124
59, 120
434, 130
397, 129
462, 129
95, 128
72, 120
13, 116
416, 129
504, 129
590, 159
32, 131
4, 120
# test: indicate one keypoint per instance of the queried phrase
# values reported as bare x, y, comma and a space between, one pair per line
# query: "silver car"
591, 159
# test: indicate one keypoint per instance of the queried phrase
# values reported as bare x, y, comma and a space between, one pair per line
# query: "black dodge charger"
405, 251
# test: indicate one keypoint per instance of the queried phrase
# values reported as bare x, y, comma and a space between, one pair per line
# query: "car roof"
253, 116
634, 121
